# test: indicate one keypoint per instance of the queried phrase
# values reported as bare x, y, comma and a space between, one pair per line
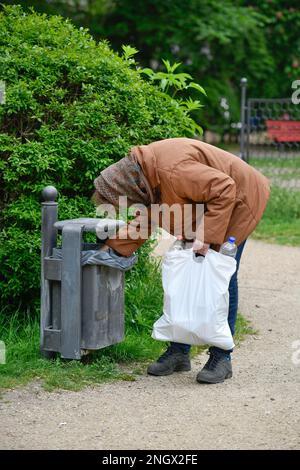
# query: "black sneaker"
216, 370
170, 361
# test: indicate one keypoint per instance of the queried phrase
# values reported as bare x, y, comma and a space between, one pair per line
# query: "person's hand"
104, 248
200, 247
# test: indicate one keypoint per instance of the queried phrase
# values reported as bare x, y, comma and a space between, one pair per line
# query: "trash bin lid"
92, 224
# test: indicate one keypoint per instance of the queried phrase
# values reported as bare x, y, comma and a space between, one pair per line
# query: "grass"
24, 362
281, 233
279, 170
281, 220
288, 162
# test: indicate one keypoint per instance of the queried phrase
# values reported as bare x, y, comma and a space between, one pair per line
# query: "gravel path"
258, 408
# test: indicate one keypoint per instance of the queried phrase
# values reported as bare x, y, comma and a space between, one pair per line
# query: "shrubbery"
72, 107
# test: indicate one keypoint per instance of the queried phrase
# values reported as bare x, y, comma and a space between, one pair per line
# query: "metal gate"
270, 137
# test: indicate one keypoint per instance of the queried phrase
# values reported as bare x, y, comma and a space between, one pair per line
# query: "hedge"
73, 106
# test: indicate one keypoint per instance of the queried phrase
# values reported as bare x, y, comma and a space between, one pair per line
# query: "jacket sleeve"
131, 236
201, 183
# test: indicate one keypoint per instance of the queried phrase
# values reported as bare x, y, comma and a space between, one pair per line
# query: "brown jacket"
190, 171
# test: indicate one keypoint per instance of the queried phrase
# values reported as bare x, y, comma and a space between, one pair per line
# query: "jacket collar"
146, 158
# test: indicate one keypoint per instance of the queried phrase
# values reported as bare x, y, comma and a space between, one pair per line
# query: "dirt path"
259, 408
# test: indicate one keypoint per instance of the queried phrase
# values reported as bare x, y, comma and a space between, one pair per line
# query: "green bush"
73, 106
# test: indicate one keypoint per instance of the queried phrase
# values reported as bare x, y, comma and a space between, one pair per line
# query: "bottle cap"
231, 239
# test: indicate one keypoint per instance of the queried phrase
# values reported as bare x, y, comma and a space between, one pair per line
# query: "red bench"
283, 131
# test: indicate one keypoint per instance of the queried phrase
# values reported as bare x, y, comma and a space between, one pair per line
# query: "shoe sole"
228, 376
177, 369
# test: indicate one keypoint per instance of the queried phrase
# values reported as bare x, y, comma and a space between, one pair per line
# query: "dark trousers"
232, 312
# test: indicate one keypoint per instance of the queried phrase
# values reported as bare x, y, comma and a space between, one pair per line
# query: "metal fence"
270, 138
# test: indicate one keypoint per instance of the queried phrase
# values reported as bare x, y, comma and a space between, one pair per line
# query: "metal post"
48, 236
71, 291
243, 118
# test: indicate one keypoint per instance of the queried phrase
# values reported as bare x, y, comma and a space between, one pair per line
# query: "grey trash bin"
82, 304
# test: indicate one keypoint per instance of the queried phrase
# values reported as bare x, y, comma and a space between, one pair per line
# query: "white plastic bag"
196, 299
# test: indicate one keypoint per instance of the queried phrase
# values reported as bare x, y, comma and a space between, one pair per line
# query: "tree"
217, 42
282, 24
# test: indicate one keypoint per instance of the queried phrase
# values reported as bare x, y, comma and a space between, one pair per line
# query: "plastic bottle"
229, 248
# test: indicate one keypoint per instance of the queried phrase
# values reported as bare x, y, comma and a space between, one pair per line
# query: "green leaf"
171, 68
129, 52
198, 87
147, 71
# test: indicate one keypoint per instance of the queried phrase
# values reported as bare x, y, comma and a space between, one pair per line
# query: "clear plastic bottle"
229, 248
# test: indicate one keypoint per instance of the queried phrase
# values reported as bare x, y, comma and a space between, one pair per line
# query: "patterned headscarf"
124, 178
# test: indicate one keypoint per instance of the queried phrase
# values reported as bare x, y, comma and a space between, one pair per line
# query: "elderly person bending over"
186, 171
